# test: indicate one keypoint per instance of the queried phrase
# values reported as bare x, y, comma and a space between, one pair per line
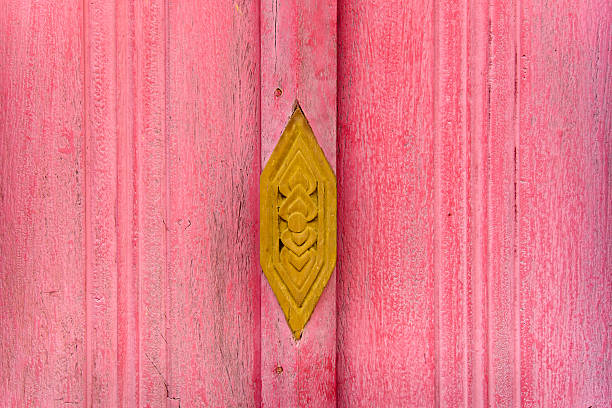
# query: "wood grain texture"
42, 205
214, 277
504, 285
453, 221
151, 195
386, 353
473, 202
563, 206
100, 198
128, 284
495, 166
490, 104
298, 62
117, 219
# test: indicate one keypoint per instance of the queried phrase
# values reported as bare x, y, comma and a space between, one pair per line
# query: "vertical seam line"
437, 202
486, 184
86, 218
167, 203
464, 227
516, 243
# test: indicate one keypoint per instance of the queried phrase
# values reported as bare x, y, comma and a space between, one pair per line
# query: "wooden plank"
128, 300
214, 165
473, 182
475, 161
42, 204
462, 160
298, 62
100, 199
386, 353
563, 208
142, 204
452, 261
476, 65
151, 198
497, 162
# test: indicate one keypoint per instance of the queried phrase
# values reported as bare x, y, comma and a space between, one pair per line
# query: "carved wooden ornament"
298, 222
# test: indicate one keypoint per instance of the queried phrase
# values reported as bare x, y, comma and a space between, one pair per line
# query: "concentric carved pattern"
298, 222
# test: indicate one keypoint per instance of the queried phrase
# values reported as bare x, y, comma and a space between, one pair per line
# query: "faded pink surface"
298, 49
474, 208
473, 145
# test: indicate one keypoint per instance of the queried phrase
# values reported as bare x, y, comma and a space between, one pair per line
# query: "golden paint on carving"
298, 222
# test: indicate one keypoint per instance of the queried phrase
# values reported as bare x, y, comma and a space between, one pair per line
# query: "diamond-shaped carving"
298, 222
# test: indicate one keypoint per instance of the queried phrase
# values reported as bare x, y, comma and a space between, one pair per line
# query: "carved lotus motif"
298, 222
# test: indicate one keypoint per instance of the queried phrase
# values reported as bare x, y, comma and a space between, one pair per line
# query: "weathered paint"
473, 202
42, 209
100, 195
563, 181
130, 172
386, 219
473, 178
214, 166
298, 63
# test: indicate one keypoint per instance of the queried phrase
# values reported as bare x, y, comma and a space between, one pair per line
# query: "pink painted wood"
213, 332
386, 287
473, 194
43, 339
130, 269
564, 226
473, 204
100, 195
298, 63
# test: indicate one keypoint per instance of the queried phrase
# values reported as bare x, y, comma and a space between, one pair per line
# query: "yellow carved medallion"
298, 222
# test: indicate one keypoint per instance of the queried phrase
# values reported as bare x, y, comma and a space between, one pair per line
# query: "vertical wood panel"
497, 162
214, 165
386, 354
100, 200
128, 296
563, 182
151, 208
298, 57
476, 51
452, 264
42, 265
473, 183
519, 319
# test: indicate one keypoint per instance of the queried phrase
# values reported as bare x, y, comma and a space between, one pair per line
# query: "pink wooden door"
471, 144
